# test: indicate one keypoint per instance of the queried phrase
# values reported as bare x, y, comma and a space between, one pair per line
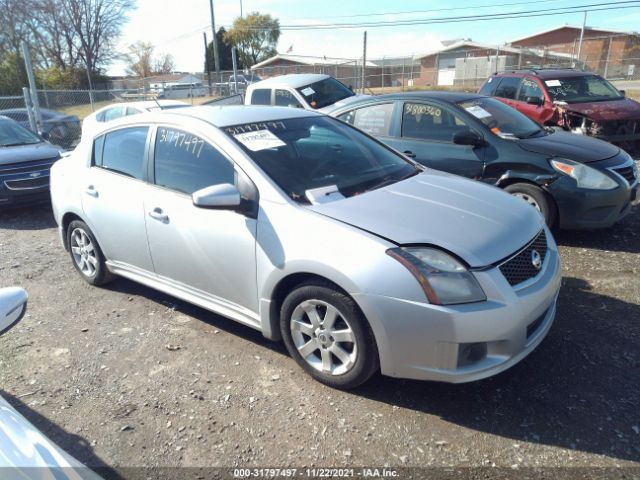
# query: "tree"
142, 62
224, 53
97, 24
139, 59
255, 37
164, 64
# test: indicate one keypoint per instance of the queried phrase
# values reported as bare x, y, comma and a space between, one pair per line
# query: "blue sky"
176, 26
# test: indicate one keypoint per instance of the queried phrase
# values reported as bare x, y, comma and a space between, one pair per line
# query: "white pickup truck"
309, 91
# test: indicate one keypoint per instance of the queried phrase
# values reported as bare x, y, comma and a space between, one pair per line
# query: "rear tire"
86, 255
328, 336
537, 198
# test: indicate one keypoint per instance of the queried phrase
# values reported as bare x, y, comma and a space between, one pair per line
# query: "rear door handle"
91, 191
157, 214
409, 154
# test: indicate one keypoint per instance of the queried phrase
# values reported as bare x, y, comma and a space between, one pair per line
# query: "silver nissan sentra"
312, 232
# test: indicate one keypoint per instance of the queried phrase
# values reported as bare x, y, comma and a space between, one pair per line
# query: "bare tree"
164, 64
97, 24
140, 59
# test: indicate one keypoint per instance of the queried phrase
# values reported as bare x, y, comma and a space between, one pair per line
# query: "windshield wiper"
17, 144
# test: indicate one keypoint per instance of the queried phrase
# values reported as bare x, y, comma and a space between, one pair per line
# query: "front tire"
327, 335
537, 198
86, 255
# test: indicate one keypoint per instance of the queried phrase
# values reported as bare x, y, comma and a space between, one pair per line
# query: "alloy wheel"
84, 253
323, 337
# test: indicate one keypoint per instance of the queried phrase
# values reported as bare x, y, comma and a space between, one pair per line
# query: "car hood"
623, 109
343, 102
26, 153
479, 223
579, 148
23, 449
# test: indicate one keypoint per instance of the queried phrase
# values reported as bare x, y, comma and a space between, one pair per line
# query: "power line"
491, 16
406, 12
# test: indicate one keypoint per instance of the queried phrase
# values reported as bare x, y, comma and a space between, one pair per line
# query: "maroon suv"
580, 102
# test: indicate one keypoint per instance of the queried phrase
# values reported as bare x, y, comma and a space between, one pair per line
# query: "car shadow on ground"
622, 237
131, 288
578, 390
74, 445
35, 217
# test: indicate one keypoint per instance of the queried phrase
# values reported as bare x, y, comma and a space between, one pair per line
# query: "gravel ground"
125, 376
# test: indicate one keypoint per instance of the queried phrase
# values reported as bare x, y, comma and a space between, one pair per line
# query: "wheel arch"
540, 181
67, 218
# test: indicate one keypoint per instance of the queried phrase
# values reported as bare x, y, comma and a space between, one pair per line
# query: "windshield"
304, 154
501, 119
12, 134
582, 90
325, 92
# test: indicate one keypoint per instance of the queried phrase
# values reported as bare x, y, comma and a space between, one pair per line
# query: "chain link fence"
465, 66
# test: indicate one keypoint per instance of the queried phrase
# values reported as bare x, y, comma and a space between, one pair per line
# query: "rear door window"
285, 98
112, 114
261, 96
186, 163
375, 119
529, 88
123, 151
508, 87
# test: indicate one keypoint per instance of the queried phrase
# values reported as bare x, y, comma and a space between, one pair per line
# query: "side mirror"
468, 137
534, 101
623, 93
13, 304
220, 197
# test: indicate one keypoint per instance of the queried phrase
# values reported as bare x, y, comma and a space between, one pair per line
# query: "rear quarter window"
123, 151
489, 86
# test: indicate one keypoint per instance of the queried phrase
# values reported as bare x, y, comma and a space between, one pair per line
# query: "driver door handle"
157, 214
409, 154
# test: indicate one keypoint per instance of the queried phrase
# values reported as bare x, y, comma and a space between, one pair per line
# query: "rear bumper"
430, 342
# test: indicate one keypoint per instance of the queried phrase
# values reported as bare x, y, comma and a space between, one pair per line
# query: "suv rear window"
508, 87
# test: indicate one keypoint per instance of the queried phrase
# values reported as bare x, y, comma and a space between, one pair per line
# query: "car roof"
46, 111
218, 116
145, 104
451, 97
294, 80
548, 73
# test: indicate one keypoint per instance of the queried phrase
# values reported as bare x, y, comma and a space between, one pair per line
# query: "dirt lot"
124, 376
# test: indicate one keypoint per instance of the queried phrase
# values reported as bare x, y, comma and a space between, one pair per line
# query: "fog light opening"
470, 353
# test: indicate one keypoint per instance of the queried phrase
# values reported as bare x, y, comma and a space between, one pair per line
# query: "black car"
57, 127
25, 161
575, 181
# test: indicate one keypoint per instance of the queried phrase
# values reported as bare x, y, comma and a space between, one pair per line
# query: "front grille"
31, 166
27, 183
520, 267
628, 173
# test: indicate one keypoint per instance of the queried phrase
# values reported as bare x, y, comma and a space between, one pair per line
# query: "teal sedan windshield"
303, 155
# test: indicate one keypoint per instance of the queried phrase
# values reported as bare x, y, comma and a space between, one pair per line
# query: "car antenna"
155, 99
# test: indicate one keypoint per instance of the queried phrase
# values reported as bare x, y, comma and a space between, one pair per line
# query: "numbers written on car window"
178, 139
186, 163
254, 127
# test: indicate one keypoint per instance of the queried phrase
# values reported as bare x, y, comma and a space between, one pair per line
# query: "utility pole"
241, 9
364, 61
206, 61
216, 58
32, 86
584, 23
235, 70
